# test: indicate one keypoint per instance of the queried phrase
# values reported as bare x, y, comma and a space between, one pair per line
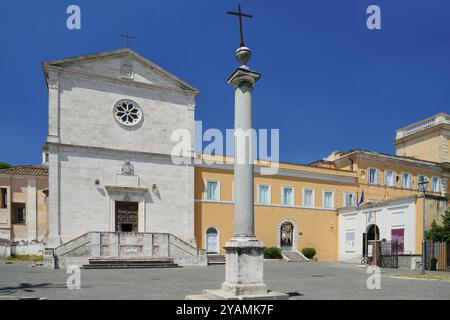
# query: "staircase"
129, 263
214, 259
126, 250
294, 256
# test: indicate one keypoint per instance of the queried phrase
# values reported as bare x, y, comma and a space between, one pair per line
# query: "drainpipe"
10, 206
37, 213
423, 236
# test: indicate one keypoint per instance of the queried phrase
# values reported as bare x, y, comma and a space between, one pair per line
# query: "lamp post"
423, 186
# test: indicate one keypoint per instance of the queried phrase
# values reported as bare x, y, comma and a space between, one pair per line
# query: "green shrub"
309, 252
4, 165
440, 232
26, 257
272, 253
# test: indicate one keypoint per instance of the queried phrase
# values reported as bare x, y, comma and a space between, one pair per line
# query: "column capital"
244, 75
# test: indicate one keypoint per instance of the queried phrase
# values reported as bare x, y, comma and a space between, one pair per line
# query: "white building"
386, 220
111, 116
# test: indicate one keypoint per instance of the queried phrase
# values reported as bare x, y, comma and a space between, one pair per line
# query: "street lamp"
423, 186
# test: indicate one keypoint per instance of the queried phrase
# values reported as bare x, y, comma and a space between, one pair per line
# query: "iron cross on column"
127, 36
240, 14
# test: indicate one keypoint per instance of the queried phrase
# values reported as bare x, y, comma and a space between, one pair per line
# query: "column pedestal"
244, 273
244, 277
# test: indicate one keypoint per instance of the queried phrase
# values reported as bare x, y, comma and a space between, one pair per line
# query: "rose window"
127, 113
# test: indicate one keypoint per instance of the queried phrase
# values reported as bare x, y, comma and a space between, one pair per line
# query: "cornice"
123, 80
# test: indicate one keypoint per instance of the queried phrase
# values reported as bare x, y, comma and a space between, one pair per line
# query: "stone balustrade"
442, 118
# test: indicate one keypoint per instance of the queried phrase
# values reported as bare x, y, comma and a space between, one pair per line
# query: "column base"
221, 295
243, 274
244, 289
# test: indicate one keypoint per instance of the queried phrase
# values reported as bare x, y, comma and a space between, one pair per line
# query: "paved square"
313, 280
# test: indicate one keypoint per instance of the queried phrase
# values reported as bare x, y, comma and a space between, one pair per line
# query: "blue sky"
328, 82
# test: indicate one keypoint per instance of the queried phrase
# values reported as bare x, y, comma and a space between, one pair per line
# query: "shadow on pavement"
28, 287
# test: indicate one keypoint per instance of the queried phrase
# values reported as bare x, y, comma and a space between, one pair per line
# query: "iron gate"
437, 255
389, 251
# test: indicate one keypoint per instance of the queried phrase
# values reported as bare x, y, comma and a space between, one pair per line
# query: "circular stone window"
127, 112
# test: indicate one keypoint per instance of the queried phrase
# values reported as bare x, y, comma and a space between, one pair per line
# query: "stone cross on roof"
127, 37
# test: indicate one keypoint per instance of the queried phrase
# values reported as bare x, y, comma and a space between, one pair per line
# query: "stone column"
54, 224
54, 236
243, 81
244, 259
31, 210
244, 254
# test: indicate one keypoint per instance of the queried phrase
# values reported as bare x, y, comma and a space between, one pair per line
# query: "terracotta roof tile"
29, 170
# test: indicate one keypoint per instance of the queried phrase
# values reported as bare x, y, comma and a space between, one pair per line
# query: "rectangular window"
421, 178
350, 199
389, 178
350, 240
308, 198
19, 212
406, 180
288, 196
264, 194
436, 184
374, 176
328, 199
3, 198
212, 190
350, 236
398, 235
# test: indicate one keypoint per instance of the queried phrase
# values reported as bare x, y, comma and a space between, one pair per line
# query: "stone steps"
130, 266
214, 259
130, 263
293, 256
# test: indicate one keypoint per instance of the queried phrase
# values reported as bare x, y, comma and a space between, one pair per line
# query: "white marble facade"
88, 146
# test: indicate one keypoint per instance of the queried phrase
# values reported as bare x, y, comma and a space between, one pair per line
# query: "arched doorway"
287, 236
372, 233
212, 241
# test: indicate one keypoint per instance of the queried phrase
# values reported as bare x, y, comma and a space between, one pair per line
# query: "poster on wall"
398, 235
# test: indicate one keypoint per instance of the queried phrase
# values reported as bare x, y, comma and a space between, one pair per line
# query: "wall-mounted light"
97, 183
154, 187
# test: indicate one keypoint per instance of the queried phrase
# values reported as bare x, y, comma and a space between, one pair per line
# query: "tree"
4, 165
446, 226
440, 233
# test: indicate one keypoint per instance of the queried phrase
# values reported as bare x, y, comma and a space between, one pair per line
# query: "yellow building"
305, 197
427, 139
298, 207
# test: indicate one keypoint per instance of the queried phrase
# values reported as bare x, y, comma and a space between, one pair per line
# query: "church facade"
111, 116
110, 170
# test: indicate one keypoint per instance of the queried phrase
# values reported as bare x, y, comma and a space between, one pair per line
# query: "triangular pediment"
121, 64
